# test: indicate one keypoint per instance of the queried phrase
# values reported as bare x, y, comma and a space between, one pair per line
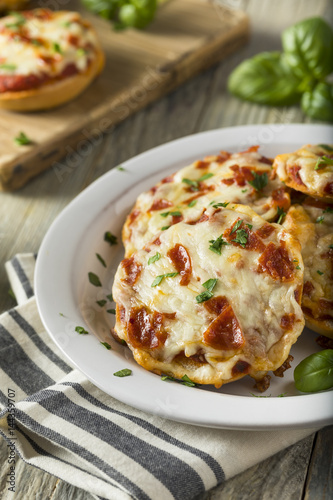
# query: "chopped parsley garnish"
216, 245
244, 190
36, 42
195, 184
160, 278
236, 226
106, 345
20, 20
101, 303
326, 146
187, 381
94, 279
110, 238
320, 219
202, 297
164, 228
320, 273
154, 258
250, 226
81, 330
225, 204
10, 67
260, 181
167, 377
22, 139
121, 168
102, 261
62, 314
330, 246
328, 210
298, 267
11, 294
175, 214
81, 52
323, 162
111, 311
192, 203
110, 297
125, 372
210, 284
281, 213
57, 48
241, 237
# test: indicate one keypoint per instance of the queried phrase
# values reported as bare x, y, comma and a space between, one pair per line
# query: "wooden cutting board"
186, 37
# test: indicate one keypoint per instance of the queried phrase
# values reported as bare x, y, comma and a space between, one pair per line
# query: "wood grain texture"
303, 471
141, 66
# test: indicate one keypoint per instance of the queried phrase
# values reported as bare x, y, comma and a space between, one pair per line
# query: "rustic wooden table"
304, 470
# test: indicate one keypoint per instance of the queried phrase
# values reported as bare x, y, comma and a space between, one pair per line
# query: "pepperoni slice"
276, 263
160, 204
180, 258
242, 174
240, 367
328, 189
294, 174
224, 332
308, 288
265, 230
145, 329
132, 270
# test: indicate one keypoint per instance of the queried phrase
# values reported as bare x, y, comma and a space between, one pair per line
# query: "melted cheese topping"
226, 178
41, 42
298, 171
249, 323
312, 224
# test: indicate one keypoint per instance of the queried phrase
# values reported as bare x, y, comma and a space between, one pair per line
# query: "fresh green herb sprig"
315, 373
22, 139
125, 372
323, 161
216, 245
259, 181
124, 13
185, 380
209, 285
158, 280
296, 75
195, 184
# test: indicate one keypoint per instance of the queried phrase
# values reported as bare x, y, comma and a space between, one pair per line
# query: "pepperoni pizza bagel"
215, 298
46, 58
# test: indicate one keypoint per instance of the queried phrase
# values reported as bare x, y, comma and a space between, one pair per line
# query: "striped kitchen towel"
57, 420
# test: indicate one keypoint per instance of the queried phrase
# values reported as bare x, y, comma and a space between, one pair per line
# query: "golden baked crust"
184, 196
303, 171
312, 224
59, 71
215, 299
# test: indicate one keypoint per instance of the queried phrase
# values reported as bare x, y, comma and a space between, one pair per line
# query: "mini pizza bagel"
242, 178
312, 224
215, 299
46, 58
309, 170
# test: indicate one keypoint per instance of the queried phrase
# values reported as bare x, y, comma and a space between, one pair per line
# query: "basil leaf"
318, 102
315, 373
308, 46
265, 79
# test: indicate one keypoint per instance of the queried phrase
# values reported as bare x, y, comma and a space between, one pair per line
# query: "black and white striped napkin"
60, 422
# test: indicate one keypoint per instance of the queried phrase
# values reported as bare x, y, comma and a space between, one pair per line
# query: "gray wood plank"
319, 483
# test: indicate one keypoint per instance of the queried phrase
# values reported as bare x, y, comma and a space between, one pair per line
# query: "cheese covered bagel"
215, 299
312, 224
237, 178
310, 170
46, 58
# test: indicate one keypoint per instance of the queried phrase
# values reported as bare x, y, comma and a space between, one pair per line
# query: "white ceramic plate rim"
58, 281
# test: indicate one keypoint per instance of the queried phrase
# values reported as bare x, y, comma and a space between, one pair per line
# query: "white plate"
68, 253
